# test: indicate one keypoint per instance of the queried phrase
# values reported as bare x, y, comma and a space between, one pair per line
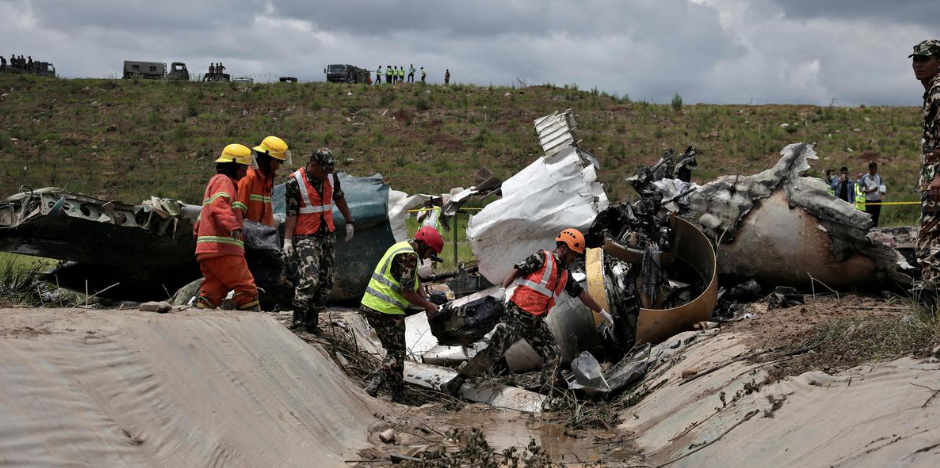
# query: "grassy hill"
128, 140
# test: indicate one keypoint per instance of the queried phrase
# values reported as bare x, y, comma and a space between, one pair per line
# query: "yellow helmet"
238, 154
274, 147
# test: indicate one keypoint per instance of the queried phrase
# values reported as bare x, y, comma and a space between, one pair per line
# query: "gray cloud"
716, 51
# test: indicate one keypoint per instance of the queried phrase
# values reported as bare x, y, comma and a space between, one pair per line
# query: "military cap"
323, 157
926, 48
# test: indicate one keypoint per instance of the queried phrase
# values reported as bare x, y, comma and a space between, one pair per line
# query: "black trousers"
875, 212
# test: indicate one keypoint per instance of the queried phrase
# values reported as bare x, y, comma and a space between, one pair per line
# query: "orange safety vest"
313, 208
536, 293
221, 214
254, 191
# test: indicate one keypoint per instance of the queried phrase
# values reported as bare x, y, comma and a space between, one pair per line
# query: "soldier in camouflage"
926, 64
309, 242
390, 328
393, 286
542, 277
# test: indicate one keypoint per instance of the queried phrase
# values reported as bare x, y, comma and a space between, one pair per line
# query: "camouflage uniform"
518, 324
311, 264
390, 328
928, 239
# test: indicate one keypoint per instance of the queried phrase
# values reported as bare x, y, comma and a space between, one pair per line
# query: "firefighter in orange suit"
542, 277
255, 189
219, 232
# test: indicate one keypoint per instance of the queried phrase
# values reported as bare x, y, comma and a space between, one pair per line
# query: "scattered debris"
387, 436
158, 307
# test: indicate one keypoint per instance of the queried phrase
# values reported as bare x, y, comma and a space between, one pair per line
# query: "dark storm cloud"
923, 12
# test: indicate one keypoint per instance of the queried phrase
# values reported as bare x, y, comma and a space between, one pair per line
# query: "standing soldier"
447, 76
255, 189
378, 75
544, 275
423, 74
308, 234
926, 64
220, 238
393, 286
211, 69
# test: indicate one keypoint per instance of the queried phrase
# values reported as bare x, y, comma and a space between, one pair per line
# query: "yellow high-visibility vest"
384, 293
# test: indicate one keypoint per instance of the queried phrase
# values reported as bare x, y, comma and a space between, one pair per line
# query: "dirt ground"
833, 332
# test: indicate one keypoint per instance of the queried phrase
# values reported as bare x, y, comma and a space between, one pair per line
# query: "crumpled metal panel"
551, 194
556, 131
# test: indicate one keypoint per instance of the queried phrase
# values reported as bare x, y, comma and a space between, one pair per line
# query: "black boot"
297, 322
453, 386
375, 384
398, 395
311, 322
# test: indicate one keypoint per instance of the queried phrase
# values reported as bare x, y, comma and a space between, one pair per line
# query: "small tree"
677, 103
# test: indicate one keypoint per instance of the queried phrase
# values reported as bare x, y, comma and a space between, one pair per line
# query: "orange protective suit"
254, 191
221, 257
223, 274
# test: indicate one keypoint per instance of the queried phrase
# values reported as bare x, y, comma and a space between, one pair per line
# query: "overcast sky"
716, 51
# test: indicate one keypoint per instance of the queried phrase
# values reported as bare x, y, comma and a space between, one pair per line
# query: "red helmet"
431, 238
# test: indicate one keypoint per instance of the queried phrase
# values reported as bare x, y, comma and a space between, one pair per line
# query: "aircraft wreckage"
654, 263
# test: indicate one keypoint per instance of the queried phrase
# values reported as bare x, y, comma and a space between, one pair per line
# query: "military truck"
340, 73
178, 72
146, 70
39, 68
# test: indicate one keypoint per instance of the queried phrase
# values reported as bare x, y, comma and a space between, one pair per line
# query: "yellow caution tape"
893, 203
429, 209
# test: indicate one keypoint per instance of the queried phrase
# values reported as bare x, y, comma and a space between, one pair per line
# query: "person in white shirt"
873, 188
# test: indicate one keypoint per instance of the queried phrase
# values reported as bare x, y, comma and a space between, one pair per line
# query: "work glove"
237, 234
500, 295
288, 248
349, 231
607, 328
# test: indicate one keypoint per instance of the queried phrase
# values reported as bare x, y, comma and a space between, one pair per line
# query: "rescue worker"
388, 74
447, 76
395, 285
424, 74
411, 73
378, 75
309, 242
3, 64
401, 74
860, 198
926, 65
542, 278
255, 189
220, 239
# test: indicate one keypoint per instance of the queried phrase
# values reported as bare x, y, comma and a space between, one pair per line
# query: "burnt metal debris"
145, 252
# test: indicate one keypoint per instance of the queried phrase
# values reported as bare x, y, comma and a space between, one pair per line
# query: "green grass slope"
127, 140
